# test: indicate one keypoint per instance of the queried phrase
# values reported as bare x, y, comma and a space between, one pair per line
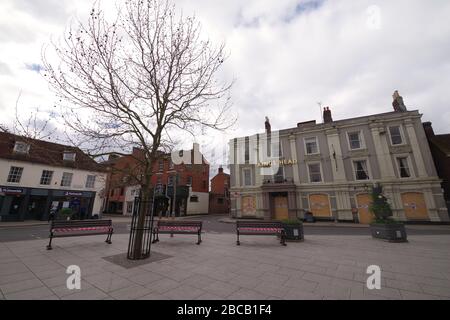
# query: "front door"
415, 206
320, 205
364, 215
36, 208
281, 207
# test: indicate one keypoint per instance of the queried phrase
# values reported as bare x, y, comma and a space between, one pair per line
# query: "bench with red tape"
262, 228
177, 227
74, 228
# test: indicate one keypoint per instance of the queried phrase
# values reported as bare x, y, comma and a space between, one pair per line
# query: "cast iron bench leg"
199, 238
49, 246
108, 238
283, 238
155, 235
238, 242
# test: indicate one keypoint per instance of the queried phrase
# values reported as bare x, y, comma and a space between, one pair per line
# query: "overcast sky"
286, 56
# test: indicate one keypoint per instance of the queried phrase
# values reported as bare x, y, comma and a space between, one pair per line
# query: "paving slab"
321, 267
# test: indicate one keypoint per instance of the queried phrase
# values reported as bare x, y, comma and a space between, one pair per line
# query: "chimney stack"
428, 129
327, 115
220, 170
267, 125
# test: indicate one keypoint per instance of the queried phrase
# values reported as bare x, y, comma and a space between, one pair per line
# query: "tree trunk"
144, 207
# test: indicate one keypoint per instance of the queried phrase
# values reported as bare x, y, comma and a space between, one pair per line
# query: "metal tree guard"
143, 251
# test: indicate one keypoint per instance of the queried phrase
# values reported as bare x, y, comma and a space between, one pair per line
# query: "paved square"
322, 267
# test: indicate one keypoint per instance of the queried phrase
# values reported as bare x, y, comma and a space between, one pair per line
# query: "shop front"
12, 203
18, 204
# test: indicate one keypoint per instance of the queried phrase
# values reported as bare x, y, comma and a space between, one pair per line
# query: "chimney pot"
327, 115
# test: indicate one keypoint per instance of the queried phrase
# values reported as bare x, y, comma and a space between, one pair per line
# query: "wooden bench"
262, 228
75, 228
177, 227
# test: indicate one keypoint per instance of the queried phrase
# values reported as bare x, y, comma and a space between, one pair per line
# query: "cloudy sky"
286, 56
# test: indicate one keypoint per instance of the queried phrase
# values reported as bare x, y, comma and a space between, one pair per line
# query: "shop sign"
73, 194
12, 191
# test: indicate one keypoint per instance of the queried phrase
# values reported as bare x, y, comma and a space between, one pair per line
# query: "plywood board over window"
319, 205
415, 206
248, 206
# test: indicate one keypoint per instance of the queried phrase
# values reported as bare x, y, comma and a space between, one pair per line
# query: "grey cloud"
49, 10
18, 32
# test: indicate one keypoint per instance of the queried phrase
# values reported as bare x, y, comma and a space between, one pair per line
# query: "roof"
44, 152
312, 125
442, 142
221, 174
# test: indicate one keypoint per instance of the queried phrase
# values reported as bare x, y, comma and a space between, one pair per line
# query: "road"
213, 225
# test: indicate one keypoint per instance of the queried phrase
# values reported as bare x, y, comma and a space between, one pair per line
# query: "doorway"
37, 206
281, 207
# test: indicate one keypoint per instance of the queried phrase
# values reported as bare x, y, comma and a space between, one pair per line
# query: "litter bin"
309, 217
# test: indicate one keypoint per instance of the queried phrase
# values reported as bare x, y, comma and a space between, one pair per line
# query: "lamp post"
174, 174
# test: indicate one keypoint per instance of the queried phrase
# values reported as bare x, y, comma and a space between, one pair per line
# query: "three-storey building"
328, 169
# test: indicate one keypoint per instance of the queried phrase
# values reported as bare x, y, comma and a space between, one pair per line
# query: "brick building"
440, 150
219, 197
189, 181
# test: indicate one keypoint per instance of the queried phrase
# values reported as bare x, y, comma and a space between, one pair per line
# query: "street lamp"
174, 186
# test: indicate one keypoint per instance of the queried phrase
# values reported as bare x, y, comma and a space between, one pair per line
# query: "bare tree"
34, 125
138, 80
3, 128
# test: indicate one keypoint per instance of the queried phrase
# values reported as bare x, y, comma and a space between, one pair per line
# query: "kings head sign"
279, 163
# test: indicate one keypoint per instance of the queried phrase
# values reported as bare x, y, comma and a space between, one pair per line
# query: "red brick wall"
215, 207
220, 183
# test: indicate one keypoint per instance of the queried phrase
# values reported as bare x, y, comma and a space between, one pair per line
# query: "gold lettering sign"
268, 164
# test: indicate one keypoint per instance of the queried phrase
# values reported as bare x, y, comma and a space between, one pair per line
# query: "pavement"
321, 267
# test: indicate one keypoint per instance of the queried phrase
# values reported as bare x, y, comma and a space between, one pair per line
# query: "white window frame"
317, 145
402, 135
410, 167
309, 172
21, 169
62, 179
19, 145
69, 156
243, 177
93, 182
369, 171
361, 139
49, 180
